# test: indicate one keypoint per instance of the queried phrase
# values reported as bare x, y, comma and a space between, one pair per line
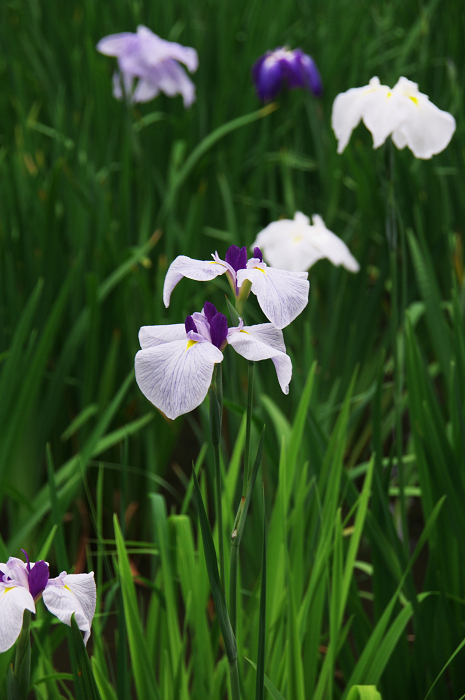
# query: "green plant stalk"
234, 678
23, 656
250, 373
233, 564
397, 314
216, 412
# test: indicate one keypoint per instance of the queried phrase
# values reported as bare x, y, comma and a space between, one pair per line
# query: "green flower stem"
23, 656
216, 412
234, 563
397, 321
251, 366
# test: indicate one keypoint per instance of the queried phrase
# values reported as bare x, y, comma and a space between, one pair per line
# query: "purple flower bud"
218, 329
209, 310
38, 577
236, 257
257, 253
282, 66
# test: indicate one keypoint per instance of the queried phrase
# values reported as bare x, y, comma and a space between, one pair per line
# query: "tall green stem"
397, 322
216, 412
251, 366
234, 677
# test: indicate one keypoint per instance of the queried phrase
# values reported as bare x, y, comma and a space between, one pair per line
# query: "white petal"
176, 376
154, 49
383, 113
282, 295
72, 593
149, 336
330, 245
14, 601
171, 79
426, 130
182, 266
350, 106
264, 342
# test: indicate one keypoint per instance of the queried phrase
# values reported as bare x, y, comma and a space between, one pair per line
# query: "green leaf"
363, 692
260, 688
85, 677
214, 577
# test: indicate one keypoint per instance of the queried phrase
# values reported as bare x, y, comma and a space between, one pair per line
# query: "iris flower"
281, 294
154, 61
403, 113
296, 245
282, 66
21, 586
174, 369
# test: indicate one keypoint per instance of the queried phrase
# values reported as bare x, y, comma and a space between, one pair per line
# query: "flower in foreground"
154, 61
403, 113
285, 67
174, 369
296, 245
281, 294
21, 585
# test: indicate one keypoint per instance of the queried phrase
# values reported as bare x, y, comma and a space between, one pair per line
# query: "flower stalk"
216, 412
19, 679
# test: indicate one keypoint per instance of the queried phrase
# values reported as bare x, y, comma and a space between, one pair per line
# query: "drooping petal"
268, 76
154, 49
144, 91
383, 112
16, 570
14, 600
72, 593
150, 336
330, 246
263, 342
312, 75
350, 106
117, 44
200, 270
426, 129
175, 377
282, 295
171, 79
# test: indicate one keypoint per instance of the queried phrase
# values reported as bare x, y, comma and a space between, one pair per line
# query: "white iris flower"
295, 245
281, 294
22, 585
174, 369
401, 112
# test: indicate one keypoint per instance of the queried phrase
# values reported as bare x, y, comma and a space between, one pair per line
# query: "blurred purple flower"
154, 61
282, 66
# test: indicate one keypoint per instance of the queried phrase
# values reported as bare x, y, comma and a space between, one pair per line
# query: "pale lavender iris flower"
154, 61
23, 584
175, 366
281, 294
280, 67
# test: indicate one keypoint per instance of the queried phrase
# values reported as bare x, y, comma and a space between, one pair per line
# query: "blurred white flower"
295, 245
154, 61
403, 113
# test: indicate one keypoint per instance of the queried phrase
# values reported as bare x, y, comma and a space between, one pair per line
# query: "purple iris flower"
285, 67
22, 585
281, 294
175, 366
154, 61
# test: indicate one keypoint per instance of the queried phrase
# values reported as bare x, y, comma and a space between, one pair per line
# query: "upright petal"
72, 593
182, 266
117, 44
282, 295
14, 600
176, 376
263, 342
38, 577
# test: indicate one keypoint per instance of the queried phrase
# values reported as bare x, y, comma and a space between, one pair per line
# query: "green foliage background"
96, 200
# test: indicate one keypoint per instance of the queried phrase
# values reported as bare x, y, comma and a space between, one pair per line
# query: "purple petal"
236, 257
257, 253
38, 577
209, 310
312, 75
190, 325
293, 69
28, 564
218, 329
268, 78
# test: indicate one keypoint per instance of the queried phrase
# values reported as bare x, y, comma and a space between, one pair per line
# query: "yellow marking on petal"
67, 588
243, 331
414, 100
261, 270
297, 239
214, 262
389, 94
7, 590
190, 343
